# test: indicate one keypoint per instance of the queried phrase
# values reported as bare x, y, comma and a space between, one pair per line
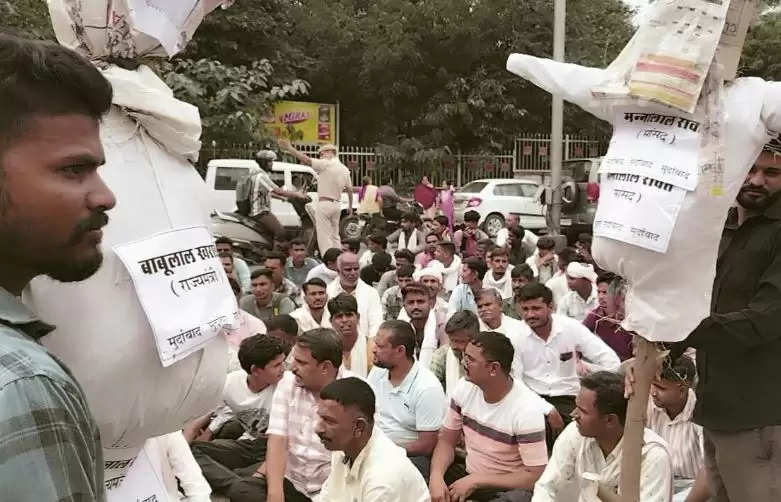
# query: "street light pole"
557, 118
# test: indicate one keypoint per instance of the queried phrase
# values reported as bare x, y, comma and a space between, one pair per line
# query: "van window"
226, 178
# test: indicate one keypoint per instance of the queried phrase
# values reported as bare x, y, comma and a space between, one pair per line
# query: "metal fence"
530, 155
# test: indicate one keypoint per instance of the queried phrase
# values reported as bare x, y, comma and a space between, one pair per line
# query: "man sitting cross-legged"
411, 401
591, 448
503, 426
228, 464
366, 466
297, 464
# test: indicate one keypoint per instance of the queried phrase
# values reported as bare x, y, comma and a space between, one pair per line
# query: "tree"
26, 17
762, 52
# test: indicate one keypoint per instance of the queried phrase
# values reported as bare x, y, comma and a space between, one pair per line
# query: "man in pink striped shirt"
503, 426
297, 463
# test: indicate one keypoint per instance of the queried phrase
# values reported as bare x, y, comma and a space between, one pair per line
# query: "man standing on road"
52, 207
333, 178
739, 345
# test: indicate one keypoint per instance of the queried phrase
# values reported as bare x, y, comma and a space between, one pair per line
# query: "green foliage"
762, 52
232, 99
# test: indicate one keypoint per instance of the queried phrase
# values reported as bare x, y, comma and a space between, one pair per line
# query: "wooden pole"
645, 366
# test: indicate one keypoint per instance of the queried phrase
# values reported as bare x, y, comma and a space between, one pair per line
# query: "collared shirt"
294, 416
332, 178
49, 442
549, 367
380, 473
738, 345
683, 436
575, 456
546, 272
433, 334
280, 304
558, 285
289, 289
416, 405
306, 321
324, 273
462, 299
369, 305
392, 303
499, 437
297, 275
573, 305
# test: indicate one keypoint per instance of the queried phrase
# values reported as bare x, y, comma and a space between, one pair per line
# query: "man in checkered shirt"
52, 206
297, 464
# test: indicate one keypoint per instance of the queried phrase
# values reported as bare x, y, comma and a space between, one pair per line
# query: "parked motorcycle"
253, 240
360, 226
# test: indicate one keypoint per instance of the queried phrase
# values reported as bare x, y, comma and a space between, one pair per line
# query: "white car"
222, 175
494, 198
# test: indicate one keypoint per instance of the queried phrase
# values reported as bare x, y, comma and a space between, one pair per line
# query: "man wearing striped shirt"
670, 416
297, 463
504, 432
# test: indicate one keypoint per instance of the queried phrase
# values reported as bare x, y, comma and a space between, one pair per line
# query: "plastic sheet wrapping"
128, 29
102, 333
670, 292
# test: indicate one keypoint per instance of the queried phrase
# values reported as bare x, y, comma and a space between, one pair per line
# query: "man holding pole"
333, 177
739, 344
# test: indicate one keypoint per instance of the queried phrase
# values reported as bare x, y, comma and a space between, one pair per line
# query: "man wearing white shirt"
326, 271
489, 310
543, 262
582, 296
511, 222
463, 297
313, 313
366, 465
556, 349
592, 446
410, 398
432, 279
226, 463
446, 259
429, 327
558, 283
499, 276
356, 348
369, 306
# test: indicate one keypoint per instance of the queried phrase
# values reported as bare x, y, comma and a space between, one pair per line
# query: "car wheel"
350, 227
492, 224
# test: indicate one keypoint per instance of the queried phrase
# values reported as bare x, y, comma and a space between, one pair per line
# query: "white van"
222, 175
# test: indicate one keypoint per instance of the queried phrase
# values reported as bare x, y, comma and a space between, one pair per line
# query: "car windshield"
228, 177
473, 187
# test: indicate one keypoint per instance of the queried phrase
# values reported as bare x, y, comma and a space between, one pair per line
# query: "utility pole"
557, 118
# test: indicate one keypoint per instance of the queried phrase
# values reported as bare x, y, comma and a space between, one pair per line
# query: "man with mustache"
356, 349
369, 305
313, 314
366, 465
739, 345
411, 400
446, 363
297, 464
53, 204
429, 328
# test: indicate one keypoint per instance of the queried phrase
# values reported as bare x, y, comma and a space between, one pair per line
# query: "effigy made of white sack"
138, 387
670, 175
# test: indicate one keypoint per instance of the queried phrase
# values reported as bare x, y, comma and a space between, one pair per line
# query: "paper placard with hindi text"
143, 483
638, 210
664, 146
182, 288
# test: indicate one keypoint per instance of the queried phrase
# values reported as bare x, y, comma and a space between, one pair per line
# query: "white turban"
428, 272
581, 271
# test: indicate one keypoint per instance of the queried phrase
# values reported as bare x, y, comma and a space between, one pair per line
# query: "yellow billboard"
304, 122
